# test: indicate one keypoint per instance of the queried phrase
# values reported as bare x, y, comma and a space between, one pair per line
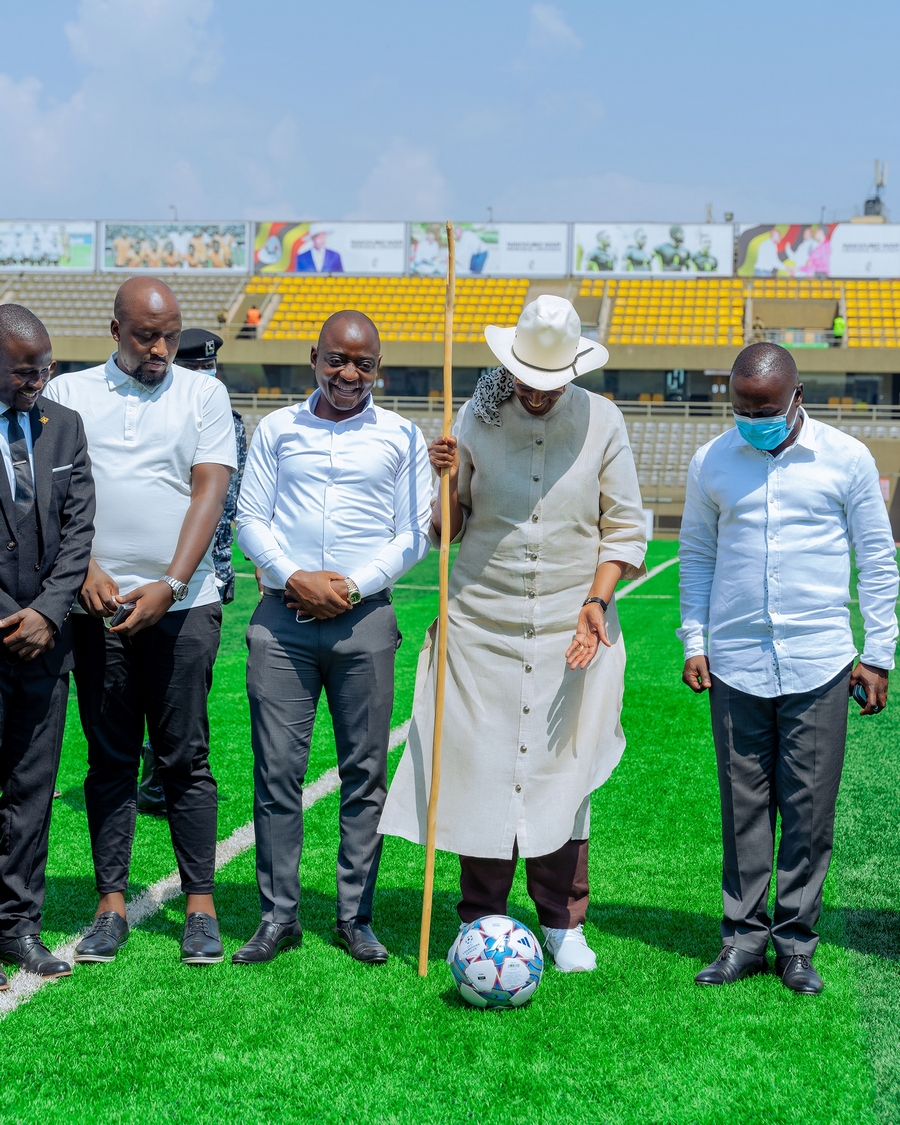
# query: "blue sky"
577, 109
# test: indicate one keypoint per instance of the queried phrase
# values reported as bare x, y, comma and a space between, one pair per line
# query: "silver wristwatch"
179, 589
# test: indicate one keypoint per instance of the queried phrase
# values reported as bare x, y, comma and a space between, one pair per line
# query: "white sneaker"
571, 953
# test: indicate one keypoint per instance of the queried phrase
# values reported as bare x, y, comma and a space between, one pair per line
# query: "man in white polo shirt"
162, 442
334, 507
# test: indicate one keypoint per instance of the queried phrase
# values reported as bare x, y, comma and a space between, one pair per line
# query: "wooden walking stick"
443, 581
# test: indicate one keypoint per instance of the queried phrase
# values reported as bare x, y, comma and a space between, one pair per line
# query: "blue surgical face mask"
764, 433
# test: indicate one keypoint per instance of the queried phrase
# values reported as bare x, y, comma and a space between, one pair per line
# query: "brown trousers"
557, 883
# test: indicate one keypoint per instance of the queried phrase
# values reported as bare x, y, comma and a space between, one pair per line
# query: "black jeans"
32, 718
161, 676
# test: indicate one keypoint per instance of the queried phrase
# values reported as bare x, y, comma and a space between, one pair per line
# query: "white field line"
23, 986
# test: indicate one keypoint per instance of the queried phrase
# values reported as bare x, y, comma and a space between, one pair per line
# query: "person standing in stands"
47, 513
198, 351
162, 443
334, 509
773, 509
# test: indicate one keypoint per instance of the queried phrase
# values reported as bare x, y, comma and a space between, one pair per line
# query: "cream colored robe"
526, 740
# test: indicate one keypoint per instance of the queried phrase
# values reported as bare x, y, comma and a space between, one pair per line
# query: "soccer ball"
496, 962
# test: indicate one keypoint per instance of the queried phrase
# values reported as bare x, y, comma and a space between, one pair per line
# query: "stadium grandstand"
672, 340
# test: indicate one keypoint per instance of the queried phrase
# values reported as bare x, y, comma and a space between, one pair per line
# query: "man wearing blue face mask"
773, 509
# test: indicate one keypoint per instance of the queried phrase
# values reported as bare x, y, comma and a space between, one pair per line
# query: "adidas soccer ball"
496, 962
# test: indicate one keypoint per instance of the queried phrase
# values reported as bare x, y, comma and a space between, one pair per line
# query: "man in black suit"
46, 528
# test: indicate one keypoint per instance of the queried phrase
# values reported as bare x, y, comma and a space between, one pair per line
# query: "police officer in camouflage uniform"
198, 351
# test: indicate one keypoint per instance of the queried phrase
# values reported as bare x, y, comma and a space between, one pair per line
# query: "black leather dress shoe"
104, 939
201, 944
359, 941
31, 955
732, 964
798, 975
4, 983
270, 938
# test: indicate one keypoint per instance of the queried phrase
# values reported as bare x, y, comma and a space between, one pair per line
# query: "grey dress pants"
777, 756
351, 656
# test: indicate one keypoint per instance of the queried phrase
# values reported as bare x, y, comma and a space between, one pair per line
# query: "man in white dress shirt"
161, 439
334, 508
773, 509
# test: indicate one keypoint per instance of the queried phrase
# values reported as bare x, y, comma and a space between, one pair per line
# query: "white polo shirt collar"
116, 378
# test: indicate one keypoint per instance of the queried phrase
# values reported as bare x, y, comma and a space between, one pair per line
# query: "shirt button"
525, 710
527, 667
523, 749
11, 546
532, 594
534, 558
529, 633
535, 478
540, 441
534, 519
518, 788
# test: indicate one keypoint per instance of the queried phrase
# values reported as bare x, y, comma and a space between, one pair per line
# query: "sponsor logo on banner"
330, 247
639, 249
490, 249
159, 246
57, 245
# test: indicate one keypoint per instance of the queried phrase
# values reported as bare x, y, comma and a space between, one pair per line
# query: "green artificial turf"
317, 1037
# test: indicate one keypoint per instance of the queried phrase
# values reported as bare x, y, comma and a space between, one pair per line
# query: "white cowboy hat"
546, 349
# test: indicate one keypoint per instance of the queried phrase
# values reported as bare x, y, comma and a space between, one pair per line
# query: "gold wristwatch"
354, 597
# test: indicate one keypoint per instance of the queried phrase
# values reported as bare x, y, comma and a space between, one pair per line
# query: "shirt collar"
367, 414
116, 378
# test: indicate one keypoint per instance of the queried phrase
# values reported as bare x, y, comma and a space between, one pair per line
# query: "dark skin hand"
100, 594
346, 362
26, 364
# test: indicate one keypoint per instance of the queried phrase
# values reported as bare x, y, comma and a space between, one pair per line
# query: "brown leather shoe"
798, 975
732, 964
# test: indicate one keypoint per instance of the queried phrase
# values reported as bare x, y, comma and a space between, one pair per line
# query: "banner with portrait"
330, 247
50, 245
674, 249
490, 249
160, 246
819, 250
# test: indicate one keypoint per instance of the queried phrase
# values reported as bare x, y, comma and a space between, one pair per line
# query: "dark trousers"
352, 657
32, 719
161, 676
557, 884
777, 756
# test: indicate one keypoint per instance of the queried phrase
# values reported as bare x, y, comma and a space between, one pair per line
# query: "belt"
381, 596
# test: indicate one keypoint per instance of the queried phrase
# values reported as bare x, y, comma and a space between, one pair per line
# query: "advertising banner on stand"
330, 247
676, 249
175, 246
490, 249
819, 250
58, 245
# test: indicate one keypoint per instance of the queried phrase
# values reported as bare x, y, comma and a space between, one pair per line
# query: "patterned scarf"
491, 389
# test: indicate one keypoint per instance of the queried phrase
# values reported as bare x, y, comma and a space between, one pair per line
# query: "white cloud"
549, 28
405, 183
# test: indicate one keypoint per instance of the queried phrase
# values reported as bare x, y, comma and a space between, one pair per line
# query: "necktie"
27, 532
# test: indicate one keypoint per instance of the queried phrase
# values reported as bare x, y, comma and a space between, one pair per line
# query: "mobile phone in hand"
122, 614
859, 694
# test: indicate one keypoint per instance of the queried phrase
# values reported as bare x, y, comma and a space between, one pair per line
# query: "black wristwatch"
599, 601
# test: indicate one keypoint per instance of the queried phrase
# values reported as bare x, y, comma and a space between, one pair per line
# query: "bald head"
141, 295
21, 325
147, 328
348, 324
346, 361
766, 362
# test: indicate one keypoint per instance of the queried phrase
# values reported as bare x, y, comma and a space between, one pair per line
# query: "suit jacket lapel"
43, 462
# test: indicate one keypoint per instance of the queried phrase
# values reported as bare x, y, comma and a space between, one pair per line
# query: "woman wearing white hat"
545, 501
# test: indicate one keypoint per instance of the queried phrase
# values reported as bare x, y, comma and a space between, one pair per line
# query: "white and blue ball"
496, 962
